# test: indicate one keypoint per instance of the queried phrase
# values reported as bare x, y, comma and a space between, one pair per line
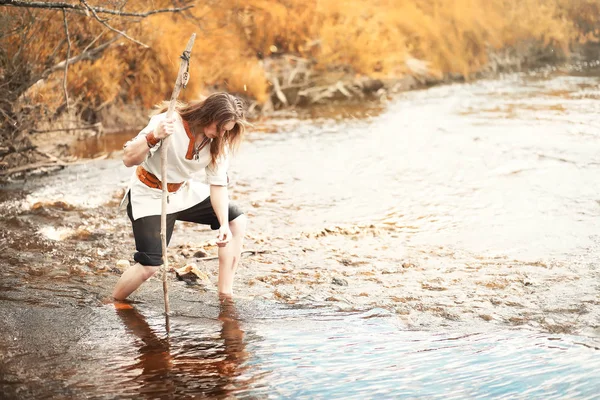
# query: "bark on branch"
82, 9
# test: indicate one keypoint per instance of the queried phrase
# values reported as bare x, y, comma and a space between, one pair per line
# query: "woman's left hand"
224, 236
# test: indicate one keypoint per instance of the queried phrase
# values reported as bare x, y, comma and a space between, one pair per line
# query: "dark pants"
146, 230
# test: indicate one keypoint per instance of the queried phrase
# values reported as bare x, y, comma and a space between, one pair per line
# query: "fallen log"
47, 164
31, 167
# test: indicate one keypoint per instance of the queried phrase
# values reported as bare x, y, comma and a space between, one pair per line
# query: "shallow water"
496, 167
230, 350
441, 220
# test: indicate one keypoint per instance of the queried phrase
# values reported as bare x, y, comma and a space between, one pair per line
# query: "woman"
202, 136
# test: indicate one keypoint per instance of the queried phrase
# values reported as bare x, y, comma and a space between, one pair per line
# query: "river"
443, 244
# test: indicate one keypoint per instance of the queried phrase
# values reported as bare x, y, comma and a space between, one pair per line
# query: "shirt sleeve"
216, 174
152, 124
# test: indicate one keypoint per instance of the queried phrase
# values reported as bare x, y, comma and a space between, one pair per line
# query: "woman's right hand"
164, 129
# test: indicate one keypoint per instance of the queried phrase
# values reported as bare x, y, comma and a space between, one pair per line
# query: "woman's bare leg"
229, 256
131, 279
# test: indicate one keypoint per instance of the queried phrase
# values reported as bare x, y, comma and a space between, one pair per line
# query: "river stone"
58, 273
339, 281
200, 254
123, 264
192, 275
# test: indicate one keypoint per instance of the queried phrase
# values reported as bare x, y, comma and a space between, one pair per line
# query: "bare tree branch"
103, 22
94, 41
86, 55
80, 9
58, 46
8, 117
68, 56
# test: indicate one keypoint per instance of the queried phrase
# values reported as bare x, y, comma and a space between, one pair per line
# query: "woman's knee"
148, 259
238, 225
148, 271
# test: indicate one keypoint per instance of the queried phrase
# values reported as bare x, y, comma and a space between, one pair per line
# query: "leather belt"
150, 180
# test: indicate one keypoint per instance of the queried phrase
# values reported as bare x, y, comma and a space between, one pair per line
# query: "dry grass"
381, 40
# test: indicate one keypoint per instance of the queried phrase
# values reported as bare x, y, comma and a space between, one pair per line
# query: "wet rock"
283, 295
495, 301
102, 253
346, 307
59, 205
449, 315
486, 317
549, 321
191, 275
79, 270
200, 254
402, 309
534, 324
559, 328
517, 320
121, 266
339, 281
433, 285
282, 270
592, 332
351, 262
57, 273
388, 271
185, 253
101, 268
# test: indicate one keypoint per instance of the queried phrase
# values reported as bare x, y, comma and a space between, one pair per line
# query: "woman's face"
210, 131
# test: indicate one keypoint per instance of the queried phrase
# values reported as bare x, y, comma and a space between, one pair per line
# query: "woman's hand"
224, 236
164, 129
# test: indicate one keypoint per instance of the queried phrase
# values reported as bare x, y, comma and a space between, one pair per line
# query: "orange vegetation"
377, 38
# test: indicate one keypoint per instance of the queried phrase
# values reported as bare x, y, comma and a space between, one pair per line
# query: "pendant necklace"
200, 146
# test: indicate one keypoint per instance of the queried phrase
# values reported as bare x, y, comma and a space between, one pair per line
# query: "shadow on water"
180, 363
121, 352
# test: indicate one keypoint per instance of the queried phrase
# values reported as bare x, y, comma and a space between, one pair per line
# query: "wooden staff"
182, 79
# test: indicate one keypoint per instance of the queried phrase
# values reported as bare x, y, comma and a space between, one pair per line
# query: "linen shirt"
197, 173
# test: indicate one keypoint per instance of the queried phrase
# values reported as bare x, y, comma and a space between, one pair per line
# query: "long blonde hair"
221, 108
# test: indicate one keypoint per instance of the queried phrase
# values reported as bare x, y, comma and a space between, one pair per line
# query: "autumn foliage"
378, 38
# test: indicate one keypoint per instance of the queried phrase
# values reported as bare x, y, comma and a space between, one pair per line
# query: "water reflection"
185, 363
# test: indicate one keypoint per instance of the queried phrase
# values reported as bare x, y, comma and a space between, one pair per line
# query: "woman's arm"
136, 150
219, 199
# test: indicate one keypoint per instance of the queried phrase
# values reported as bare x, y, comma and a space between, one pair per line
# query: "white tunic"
197, 173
